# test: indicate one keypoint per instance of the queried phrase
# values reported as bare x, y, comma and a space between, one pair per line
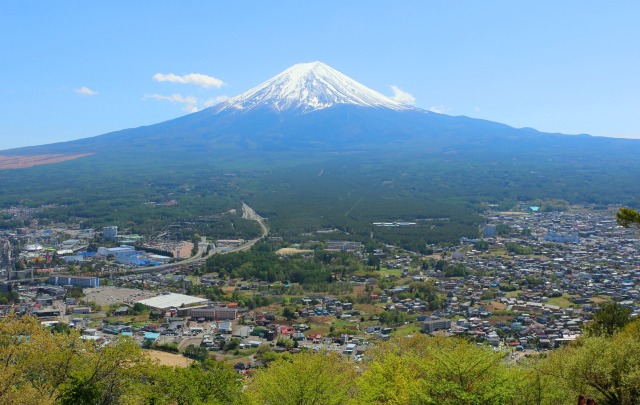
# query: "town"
528, 282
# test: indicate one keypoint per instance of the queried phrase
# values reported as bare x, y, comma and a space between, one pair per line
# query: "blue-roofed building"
151, 337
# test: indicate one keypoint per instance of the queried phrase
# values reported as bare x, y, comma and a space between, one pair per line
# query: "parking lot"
111, 295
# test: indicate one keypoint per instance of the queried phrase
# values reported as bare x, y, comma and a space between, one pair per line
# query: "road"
247, 213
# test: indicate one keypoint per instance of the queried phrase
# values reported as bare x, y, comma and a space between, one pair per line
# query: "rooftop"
172, 300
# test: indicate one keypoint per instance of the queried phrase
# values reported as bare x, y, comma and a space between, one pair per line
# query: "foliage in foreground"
41, 367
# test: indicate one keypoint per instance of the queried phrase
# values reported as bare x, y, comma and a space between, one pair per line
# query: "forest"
42, 366
443, 194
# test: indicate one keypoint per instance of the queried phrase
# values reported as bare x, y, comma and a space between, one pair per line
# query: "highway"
198, 258
247, 213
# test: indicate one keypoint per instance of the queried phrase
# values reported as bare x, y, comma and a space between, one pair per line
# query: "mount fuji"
312, 148
309, 87
312, 109
308, 107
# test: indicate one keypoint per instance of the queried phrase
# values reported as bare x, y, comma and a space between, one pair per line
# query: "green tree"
438, 370
105, 375
304, 379
289, 313
210, 382
610, 317
196, 353
61, 327
373, 261
605, 368
628, 217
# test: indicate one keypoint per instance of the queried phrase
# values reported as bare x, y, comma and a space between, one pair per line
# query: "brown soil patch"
292, 251
369, 309
321, 320
318, 330
183, 251
169, 359
499, 319
359, 290
496, 306
271, 308
20, 162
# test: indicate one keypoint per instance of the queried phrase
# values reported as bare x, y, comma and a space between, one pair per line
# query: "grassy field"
410, 329
390, 272
562, 302
600, 299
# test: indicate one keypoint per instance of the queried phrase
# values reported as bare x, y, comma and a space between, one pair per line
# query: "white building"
110, 232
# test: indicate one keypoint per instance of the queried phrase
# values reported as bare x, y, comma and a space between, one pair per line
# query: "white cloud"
440, 109
192, 78
190, 102
85, 91
213, 101
477, 109
402, 96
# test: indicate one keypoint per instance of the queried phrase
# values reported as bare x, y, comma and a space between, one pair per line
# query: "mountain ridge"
312, 108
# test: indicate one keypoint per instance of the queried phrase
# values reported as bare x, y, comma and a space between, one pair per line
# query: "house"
122, 311
151, 337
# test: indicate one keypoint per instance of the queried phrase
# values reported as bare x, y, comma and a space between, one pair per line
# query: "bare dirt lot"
19, 162
292, 251
183, 251
169, 359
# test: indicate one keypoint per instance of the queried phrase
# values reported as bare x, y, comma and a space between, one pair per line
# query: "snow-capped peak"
307, 87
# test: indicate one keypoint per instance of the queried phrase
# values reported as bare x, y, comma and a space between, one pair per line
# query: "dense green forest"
56, 367
443, 194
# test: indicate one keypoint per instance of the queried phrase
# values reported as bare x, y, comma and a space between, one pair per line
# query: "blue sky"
75, 69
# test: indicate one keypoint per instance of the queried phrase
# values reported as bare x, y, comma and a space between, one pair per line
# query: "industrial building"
432, 325
128, 255
210, 313
110, 232
167, 301
85, 282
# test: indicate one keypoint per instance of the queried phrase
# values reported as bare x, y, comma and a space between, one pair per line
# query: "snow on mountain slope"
308, 87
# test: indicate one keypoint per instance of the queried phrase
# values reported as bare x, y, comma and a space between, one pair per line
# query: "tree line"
42, 366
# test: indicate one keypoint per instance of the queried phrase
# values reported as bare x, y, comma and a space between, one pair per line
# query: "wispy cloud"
190, 102
402, 96
213, 101
440, 109
192, 78
85, 91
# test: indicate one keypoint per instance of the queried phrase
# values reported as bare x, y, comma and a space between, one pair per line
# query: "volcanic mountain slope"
312, 148
311, 108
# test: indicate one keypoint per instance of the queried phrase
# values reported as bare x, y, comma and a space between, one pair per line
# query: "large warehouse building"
167, 301
75, 280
